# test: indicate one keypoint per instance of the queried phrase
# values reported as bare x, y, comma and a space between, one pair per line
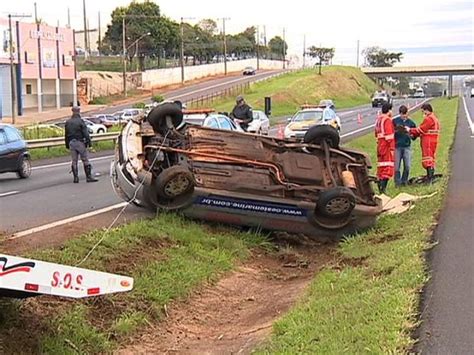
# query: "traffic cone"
359, 118
281, 133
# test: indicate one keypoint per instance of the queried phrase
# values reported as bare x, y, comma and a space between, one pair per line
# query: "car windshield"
308, 116
249, 68
380, 95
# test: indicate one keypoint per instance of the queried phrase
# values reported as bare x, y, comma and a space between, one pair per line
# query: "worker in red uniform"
428, 132
385, 135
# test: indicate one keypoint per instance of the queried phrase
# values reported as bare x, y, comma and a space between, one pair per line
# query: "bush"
140, 105
100, 100
157, 98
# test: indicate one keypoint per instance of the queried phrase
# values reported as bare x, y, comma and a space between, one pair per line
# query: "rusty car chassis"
243, 179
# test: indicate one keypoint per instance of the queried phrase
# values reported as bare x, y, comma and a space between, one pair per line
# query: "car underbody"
244, 179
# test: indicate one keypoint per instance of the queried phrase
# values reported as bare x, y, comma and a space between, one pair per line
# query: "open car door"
20, 278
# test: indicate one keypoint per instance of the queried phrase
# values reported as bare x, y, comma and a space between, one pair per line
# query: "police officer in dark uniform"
242, 113
77, 140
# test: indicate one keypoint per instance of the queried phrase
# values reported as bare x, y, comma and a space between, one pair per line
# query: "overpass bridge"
434, 70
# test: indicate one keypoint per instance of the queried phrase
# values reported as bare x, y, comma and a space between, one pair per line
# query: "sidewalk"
31, 118
448, 302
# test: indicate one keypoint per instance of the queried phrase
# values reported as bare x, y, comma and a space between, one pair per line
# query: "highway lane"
49, 194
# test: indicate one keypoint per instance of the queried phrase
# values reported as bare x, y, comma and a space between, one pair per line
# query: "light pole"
181, 53
225, 43
125, 53
284, 49
258, 49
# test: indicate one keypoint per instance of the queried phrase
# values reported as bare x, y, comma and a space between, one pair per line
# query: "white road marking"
65, 221
212, 86
357, 131
9, 193
468, 115
68, 163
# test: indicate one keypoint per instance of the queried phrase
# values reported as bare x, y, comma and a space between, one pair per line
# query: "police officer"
77, 140
242, 113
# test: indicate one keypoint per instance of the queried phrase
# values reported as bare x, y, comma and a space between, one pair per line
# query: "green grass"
55, 152
168, 256
346, 86
368, 302
109, 100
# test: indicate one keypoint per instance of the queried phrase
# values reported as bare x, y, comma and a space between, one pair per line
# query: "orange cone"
281, 133
359, 118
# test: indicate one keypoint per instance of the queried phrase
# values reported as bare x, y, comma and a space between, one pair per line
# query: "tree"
403, 85
380, 57
323, 54
141, 18
278, 46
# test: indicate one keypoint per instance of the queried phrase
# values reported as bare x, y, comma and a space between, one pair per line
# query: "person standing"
403, 151
385, 135
77, 140
428, 131
242, 113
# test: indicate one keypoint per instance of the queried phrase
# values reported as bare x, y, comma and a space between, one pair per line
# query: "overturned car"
311, 187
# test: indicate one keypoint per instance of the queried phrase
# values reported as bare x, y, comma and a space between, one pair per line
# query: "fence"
59, 141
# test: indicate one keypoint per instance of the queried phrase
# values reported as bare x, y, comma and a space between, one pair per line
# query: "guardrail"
59, 141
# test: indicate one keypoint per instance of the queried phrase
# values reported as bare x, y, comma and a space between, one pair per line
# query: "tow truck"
22, 278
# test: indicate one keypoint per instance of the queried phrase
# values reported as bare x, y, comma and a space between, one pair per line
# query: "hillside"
346, 86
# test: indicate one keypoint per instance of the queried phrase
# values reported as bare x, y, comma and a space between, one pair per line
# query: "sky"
428, 32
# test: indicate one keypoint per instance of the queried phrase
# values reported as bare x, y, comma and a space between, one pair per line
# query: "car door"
14, 148
4, 162
224, 123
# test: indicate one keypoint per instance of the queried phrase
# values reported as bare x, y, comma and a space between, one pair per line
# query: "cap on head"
76, 109
239, 99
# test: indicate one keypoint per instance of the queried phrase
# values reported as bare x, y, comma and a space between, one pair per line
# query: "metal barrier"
59, 141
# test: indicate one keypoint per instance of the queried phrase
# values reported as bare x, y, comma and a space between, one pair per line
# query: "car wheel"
337, 202
165, 117
25, 168
318, 134
174, 187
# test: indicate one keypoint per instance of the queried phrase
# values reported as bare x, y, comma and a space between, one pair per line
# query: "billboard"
49, 57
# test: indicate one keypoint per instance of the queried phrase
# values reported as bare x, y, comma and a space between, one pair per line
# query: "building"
44, 68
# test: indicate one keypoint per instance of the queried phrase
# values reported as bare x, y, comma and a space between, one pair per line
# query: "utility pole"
225, 44
284, 49
86, 44
304, 51
12, 70
36, 14
265, 36
258, 49
124, 68
100, 35
181, 56
69, 20
358, 42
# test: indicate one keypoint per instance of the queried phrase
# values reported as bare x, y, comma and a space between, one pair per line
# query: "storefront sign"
47, 35
49, 58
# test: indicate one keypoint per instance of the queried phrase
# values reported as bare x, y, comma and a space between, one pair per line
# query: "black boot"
88, 171
75, 173
382, 184
430, 175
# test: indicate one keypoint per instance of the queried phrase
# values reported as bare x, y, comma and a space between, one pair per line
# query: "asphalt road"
448, 307
49, 195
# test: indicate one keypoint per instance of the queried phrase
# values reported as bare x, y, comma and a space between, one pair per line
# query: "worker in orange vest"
385, 135
428, 132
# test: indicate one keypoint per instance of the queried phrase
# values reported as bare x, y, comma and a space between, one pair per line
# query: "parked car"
308, 117
219, 121
14, 155
419, 93
327, 103
105, 119
380, 98
314, 187
118, 115
94, 128
249, 71
131, 114
260, 123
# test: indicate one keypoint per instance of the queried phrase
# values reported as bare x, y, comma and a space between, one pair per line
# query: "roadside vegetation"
346, 86
168, 256
368, 301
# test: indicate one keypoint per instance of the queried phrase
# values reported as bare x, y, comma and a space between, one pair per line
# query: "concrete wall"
162, 77
49, 93
30, 100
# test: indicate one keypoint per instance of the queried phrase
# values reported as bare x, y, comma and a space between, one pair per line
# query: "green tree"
278, 46
322, 53
380, 57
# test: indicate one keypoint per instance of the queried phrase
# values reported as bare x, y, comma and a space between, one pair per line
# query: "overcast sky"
427, 31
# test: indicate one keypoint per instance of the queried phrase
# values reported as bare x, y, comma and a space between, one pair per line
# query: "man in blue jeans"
402, 145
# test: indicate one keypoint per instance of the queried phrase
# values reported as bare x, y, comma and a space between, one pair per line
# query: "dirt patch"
235, 315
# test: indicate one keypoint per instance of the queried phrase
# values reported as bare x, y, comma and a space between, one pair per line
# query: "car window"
308, 116
212, 123
12, 134
224, 123
329, 114
3, 138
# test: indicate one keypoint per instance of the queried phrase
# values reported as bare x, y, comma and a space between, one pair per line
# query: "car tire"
318, 134
25, 168
165, 117
174, 182
337, 202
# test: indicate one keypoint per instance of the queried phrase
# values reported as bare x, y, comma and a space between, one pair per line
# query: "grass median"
368, 301
168, 257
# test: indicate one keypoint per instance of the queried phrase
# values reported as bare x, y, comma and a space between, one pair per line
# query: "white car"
308, 117
260, 123
131, 113
95, 128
